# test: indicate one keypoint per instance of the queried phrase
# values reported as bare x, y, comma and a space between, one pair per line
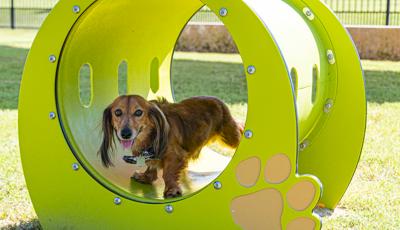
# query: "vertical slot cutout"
123, 78
294, 79
85, 85
315, 73
155, 75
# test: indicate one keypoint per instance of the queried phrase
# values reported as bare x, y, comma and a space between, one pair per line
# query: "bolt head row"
223, 12
251, 69
52, 58
76, 9
217, 185
248, 134
117, 201
328, 105
309, 14
303, 145
169, 208
331, 57
52, 115
75, 166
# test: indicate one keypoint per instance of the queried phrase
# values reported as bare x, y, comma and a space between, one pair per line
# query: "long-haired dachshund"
174, 132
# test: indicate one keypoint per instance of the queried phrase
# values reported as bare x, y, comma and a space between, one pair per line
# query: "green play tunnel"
306, 102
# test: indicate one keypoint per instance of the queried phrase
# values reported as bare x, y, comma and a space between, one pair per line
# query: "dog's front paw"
172, 192
142, 178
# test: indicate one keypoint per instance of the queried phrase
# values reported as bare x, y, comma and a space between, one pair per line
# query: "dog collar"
147, 154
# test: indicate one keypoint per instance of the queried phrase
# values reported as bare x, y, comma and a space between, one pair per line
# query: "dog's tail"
231, 131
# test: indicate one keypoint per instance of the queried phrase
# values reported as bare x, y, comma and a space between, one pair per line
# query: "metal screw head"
75, 166
330, 56
251, 69
308, 13
217, 185
76, 9
303, 145
248, 134
328, 105
169, 208
52, 58
223, 12
117, 201
52, 115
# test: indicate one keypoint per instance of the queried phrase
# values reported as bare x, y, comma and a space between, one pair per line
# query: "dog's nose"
126, 133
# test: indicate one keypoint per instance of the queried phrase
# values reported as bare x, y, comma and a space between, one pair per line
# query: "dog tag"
141, 161
129, 159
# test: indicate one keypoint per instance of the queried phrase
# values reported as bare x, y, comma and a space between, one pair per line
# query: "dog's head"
133, 119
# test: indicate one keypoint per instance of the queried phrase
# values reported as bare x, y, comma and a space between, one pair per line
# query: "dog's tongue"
127, 144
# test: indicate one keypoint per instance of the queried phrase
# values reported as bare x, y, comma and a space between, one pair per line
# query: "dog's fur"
175, 131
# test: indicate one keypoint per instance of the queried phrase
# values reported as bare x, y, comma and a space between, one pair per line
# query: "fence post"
12, 15
388, 13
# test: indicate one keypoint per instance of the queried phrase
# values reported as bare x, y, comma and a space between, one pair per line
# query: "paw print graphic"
285, 200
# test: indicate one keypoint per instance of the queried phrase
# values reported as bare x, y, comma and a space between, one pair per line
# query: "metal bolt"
217, 185
169, 208
308, 13
76, 9
328, 105
117, 201
223, 12
75, 166
303, 145
52, 58
52, 115
331, 57
248, 134
251, 69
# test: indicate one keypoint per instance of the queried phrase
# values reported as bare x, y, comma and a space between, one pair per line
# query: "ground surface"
373, 198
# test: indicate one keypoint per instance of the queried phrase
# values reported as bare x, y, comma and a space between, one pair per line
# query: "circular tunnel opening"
206, 62
117, 49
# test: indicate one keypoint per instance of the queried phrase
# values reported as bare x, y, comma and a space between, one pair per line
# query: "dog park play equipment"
306, 115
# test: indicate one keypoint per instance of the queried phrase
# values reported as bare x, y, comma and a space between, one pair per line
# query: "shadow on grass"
190, 78
29, 225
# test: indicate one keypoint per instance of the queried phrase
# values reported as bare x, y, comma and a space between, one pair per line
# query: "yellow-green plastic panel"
65, 198
333, 151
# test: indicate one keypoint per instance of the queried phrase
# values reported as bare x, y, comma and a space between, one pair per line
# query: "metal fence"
367, 12
24, 13
31, 13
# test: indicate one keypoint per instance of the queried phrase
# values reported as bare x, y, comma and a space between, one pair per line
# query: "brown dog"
175, 133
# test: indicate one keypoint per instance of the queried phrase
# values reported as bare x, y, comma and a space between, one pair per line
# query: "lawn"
371, 202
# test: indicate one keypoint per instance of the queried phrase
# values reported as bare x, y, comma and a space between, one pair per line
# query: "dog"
174, 132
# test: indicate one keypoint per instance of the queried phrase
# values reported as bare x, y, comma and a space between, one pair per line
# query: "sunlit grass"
371, 202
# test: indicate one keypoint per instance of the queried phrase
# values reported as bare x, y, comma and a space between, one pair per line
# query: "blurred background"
31, 13
365, 20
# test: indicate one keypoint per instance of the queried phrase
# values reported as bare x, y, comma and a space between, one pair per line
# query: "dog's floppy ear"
108, 138
162, 130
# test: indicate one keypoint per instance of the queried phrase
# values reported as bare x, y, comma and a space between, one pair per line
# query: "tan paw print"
285, 200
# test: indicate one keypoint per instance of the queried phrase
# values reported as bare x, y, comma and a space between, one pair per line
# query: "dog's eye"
118, 112
138, 113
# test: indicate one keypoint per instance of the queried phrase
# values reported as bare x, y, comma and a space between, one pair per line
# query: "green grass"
371, 202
